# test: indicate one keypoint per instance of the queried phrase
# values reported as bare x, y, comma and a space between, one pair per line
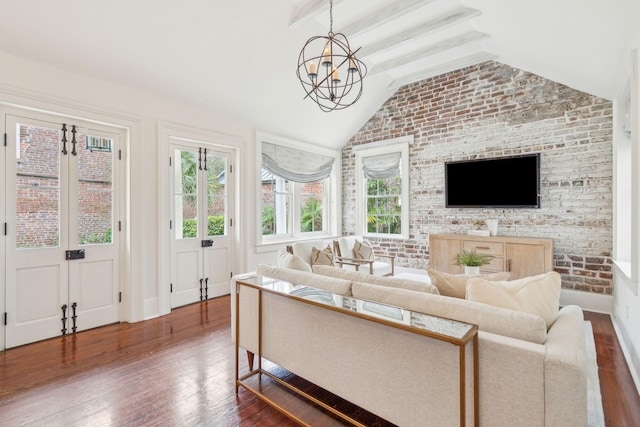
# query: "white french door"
62, 240
201, 182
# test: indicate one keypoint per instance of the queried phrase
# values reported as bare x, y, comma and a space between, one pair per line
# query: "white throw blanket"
596, 415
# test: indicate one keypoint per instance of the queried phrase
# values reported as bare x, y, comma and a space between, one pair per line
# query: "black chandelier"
321, 64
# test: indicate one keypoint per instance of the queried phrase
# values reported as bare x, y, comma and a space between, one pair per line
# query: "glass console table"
454, 332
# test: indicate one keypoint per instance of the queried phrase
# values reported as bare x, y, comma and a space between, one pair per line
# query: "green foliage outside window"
311, 216
95, 238
189, 176
268, 220
383, 206
215, 226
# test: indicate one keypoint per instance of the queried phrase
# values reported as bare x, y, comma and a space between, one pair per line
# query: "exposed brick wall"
492, 110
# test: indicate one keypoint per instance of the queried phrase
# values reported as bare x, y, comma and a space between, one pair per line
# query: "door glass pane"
37, 187
95, 189
186, 194
216, 195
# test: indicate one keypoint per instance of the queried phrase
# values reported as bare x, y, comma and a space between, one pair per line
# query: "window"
278, 198
297, 190
312, 207
384, 205
382, 188
626, 182
96, 143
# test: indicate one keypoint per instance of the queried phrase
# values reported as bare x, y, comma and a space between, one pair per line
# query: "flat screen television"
501, 182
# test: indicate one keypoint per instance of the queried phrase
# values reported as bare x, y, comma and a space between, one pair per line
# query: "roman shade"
296, 165
381, 166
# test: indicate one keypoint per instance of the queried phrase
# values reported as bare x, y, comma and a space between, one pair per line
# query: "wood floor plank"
179, 370
620, 399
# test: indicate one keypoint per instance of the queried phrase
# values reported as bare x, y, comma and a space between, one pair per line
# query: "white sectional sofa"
529, 374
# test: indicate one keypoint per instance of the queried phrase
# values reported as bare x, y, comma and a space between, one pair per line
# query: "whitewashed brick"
492, 110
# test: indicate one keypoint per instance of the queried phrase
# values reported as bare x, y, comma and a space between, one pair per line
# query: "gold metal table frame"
255, 282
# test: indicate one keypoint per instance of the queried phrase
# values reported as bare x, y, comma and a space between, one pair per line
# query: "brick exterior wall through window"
38, 190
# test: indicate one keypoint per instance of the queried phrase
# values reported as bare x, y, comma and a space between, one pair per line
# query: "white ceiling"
239, 57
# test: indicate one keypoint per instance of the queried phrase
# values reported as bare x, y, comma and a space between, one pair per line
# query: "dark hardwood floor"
179, 370
620, 399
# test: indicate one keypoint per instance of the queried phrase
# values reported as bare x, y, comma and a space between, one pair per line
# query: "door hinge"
231, 275
5, 228
230, 222
120, 296
205, 159
169, 161
170, 225
5, 139
230, 168
171, 287
119, 225
5, 318
119, 154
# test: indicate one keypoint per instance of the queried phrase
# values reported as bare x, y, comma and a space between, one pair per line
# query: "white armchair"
345, 258
304, 249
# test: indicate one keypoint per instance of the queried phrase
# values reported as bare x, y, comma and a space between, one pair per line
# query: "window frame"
626, 177
386, 146
331, 219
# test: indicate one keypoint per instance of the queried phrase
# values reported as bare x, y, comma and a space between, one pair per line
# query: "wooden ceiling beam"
433, 49
382, 16
445, 67
452, 18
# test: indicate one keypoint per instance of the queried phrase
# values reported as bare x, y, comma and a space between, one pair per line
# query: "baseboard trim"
151, 308
589, 301
632, 359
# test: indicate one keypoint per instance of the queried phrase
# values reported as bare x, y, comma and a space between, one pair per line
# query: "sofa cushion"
455, 285
359, 276
291, 261
497, 320
322, 256
363, 250
539, 295
330, 284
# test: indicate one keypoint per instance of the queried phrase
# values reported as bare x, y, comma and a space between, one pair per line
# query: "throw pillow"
322, 256
291, 261
455, 285
539, 295
363, 250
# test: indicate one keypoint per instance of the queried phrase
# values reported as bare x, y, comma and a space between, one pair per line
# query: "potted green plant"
472, 261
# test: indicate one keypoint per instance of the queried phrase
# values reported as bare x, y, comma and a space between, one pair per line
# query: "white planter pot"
471, 271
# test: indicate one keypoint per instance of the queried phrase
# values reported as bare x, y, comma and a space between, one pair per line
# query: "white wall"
626, 304
31, 85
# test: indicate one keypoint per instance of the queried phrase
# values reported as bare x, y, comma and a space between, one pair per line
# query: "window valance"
296, 165
381, 166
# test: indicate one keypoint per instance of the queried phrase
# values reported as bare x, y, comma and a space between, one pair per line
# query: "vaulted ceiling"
239, 57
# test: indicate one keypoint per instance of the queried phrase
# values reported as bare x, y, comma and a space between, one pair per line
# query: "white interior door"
62, 241
94, 279
200, 243
217, 257
186, 253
